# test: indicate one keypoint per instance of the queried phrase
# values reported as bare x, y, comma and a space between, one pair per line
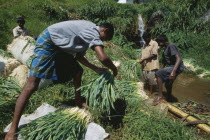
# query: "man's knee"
32, 84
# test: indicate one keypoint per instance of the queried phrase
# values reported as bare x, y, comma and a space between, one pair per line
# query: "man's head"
147, 37
162, 40
106, 31
21, 21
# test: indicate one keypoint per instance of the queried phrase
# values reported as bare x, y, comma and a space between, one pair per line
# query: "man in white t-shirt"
20, 30
149, 61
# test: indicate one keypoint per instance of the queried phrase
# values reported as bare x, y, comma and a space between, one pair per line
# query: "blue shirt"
169, 55
75, 36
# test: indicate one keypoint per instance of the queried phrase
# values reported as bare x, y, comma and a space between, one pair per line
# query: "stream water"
189, 87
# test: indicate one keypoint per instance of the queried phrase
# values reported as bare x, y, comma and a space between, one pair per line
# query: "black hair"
20, 19
146, 35
162, 38
110, 28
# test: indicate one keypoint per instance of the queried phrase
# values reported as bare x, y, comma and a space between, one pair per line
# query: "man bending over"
64, 44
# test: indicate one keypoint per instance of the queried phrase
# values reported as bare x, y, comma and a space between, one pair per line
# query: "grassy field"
132, 120
128, 122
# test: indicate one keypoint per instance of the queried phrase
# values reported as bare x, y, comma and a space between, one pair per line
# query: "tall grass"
190, 36
183, 25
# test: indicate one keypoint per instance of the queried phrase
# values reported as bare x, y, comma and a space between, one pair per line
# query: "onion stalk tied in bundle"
100, 93
68, 124
129, 69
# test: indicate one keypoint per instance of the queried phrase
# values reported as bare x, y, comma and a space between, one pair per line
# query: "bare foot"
81, 104
157, 100
85, 105
10, 136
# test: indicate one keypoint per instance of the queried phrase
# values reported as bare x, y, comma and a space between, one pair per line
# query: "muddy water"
190, 87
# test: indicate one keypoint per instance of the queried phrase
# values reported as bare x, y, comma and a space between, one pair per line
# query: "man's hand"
172, 76
98, 69
114, 71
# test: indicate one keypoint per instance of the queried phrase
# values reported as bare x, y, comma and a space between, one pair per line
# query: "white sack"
22, 48
7, 65
43, 110
20, 74
94, 131
10, 66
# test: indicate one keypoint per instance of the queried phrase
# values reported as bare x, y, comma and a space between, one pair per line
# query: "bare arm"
141, 60
178, 62
105, 60
86, 63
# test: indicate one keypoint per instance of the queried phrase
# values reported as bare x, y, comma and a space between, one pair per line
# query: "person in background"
58, 50
149, 61
172, 59
20, 30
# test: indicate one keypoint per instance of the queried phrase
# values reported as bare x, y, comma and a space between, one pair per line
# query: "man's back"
75, 36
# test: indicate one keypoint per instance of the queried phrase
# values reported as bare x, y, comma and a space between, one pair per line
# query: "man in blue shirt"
60, 45
172, 59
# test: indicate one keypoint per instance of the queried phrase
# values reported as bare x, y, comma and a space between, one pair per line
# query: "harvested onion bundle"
100, 92
67, 124
129, 69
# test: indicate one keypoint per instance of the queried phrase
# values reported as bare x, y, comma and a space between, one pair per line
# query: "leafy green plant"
55, 95
9, 91
98, 12
130, 69
100, 92
138, 122
70, 123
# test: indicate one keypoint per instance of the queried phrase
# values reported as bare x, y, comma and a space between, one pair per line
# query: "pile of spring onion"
100, 93
68, 124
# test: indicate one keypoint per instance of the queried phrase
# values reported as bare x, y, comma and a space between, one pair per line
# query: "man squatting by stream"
172, 59
149, 61
54, 59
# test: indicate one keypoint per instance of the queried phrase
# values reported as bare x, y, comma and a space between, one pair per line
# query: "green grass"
138, 123
128, 121
56, 95
9, 91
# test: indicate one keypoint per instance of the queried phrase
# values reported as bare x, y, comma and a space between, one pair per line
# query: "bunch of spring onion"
100, 92
129, 69
9, 90
67, 124
126, 89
